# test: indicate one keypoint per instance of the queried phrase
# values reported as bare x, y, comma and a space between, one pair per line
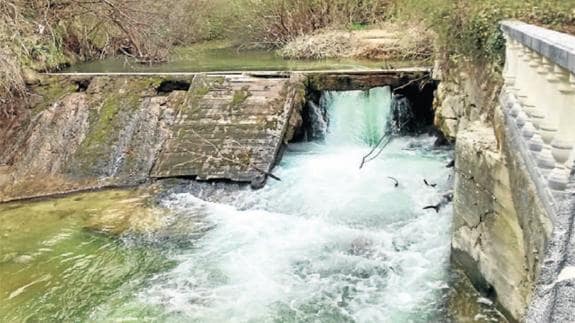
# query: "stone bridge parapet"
538, 100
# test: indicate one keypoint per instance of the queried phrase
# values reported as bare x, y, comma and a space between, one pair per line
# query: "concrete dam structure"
93, 131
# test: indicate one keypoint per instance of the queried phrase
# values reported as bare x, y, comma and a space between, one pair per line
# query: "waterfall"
329, 242
318, 121
402, 115
357, 117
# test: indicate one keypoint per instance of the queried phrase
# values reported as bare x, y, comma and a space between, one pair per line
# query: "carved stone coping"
556, 46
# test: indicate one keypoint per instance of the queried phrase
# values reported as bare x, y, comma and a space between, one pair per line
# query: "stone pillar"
510, 73
514, 69
520, 77
534, 104
521, 107
528, 95
547, 104
564, 141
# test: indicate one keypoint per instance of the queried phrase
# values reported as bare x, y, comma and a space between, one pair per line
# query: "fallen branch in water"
435, 207
409, 83
389, 136
266, 173
429, 184
446, 199
368, 157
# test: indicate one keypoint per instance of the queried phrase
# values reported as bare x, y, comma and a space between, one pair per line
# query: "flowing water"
328, 243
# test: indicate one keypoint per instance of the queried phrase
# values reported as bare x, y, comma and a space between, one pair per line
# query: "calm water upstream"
329, 243
221, 56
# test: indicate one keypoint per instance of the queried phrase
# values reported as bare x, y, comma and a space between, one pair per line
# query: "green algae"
239, 97
109, 115
56, 264
51, 90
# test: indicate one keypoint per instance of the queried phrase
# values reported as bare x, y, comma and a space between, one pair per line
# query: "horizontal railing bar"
556, 46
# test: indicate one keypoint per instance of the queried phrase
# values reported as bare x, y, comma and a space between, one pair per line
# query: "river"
330, 242
217, 56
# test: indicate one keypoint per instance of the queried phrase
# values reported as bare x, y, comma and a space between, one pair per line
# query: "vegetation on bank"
470, 28
41, 35
37, 35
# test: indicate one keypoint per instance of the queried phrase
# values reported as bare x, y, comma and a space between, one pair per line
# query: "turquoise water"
362, 118
329, 243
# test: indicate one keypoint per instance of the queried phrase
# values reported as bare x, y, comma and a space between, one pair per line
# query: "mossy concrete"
228, 128
94, 131
88, 132
106, 134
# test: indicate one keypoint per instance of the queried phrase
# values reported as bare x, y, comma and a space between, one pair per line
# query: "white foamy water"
329, 243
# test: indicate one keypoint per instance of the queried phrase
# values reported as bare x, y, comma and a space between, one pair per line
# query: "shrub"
273, 23
471, 27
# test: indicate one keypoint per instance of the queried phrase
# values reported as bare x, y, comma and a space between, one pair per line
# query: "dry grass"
389, 41
398, 41
324, 44
274, 23
12, 85
46, 34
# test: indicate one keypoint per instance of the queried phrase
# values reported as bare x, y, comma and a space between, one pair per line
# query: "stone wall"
87, 133
500, 227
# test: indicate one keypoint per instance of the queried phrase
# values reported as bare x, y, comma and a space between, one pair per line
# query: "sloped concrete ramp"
228, 127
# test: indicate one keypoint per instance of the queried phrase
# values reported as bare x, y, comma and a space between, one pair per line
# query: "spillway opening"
411, 100
168, 86
82, 84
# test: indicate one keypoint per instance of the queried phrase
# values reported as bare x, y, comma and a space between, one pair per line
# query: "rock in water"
258, 182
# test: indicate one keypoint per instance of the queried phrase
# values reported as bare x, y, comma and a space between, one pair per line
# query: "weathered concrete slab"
364, 80
106, 132
229, 127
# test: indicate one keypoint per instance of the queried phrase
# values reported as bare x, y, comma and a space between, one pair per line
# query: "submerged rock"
23, 259
113, 212
258, 182
361, 246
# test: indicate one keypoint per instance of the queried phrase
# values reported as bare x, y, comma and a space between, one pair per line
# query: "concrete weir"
95, 130
229, 127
